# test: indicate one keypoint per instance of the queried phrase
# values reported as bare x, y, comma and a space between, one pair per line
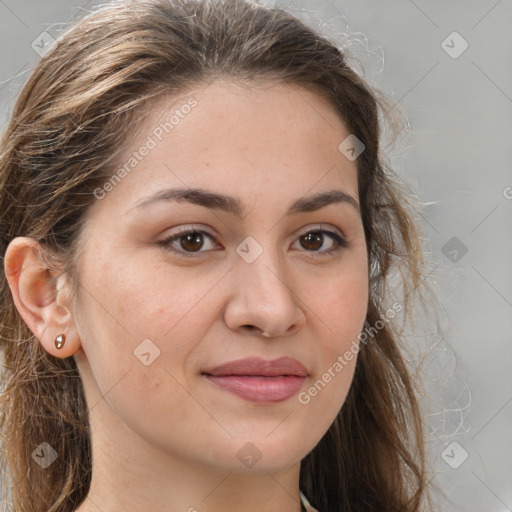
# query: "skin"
164, 437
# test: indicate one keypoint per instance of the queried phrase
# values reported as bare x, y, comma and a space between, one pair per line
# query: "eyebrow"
235, 207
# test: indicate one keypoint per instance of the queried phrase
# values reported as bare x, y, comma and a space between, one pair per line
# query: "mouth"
258, 380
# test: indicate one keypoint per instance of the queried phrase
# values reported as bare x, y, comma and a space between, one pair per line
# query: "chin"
256, 456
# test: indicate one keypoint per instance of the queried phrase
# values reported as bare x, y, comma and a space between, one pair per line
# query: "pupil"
310, 240
191, 239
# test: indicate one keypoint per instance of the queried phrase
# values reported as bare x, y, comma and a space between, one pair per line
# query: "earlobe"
35, 293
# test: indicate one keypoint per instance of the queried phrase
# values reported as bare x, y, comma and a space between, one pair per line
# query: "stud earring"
60, 340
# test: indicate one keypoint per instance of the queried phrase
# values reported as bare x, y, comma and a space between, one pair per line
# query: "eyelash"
340, 242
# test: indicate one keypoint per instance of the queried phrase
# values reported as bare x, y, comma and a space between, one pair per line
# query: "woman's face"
155, 319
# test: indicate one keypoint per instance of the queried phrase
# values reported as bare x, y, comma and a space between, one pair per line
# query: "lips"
259, 380
261, 367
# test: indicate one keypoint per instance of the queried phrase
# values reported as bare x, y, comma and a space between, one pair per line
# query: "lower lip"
260, 389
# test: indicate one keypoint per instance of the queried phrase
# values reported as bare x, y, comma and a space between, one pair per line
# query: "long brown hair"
67, 128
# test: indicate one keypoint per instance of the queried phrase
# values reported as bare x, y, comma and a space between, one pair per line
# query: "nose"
264, 300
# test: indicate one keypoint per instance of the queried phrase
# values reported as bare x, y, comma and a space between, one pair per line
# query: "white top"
306, 503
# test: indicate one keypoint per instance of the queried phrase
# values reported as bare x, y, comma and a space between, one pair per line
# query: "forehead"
271, 138
273, 114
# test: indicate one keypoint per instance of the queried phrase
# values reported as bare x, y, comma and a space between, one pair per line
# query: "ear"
41, 296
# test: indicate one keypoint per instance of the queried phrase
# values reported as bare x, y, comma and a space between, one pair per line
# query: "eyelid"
166, 243
322, 226
331, 231
335, 233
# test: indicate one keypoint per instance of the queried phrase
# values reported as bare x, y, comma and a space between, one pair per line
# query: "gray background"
458, 159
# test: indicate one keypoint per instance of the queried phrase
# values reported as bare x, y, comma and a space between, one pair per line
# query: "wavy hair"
68, 127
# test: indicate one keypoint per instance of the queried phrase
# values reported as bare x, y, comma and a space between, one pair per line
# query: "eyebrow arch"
234, 206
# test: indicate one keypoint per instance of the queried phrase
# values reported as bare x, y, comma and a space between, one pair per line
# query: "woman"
198, 233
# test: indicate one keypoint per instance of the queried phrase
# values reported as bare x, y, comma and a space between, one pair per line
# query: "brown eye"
312, 241
186, 242
192, 242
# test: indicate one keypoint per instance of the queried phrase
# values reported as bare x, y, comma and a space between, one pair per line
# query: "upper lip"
260, 367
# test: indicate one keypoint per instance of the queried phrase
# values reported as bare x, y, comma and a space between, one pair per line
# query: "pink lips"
258, 380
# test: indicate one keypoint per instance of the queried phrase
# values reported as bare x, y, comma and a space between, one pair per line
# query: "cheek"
338, 310
127, 312
338, 302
